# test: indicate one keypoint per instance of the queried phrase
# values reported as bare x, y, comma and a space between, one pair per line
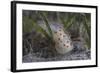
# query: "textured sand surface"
43, 55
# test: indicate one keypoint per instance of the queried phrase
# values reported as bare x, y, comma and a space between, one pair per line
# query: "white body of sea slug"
63, 43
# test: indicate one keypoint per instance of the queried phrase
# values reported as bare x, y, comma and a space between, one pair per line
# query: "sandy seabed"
44, 55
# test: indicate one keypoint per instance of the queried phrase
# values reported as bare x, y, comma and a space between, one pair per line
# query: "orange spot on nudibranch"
55, 32
67, 46
67, 41
64, 45
60, 34
58, 38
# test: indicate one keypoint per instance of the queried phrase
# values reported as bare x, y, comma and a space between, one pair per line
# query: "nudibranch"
63, 43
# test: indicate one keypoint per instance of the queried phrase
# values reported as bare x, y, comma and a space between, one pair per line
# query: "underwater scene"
55, 36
